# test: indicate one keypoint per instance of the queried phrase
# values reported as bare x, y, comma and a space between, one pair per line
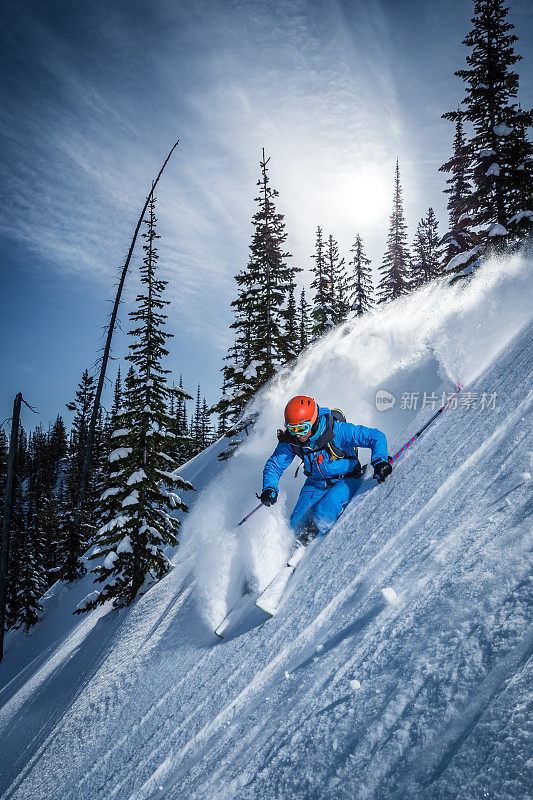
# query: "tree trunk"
107, 349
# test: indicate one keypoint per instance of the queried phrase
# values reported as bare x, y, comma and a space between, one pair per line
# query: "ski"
233, 615
269, 599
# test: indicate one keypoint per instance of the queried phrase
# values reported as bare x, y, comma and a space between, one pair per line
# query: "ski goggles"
300, 429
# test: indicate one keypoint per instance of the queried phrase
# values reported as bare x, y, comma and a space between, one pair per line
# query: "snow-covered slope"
343, 694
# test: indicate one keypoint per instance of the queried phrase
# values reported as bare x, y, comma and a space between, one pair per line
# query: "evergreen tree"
76, 528
321, 313
498, 148
196, 424
207, 435
17, 530
4, 450
427, 260
520, 159
396, 260
49, 524
58, 448
336, 283
181, 447
116, 408
359, 283
291, 321
261, 312
223, 426
30, 586
304, 322
139, 486
459, 237
31, 546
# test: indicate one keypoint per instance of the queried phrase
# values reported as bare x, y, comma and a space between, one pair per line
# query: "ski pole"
421, 431
250, 514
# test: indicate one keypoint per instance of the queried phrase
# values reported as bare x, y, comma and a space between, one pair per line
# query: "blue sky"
93, 96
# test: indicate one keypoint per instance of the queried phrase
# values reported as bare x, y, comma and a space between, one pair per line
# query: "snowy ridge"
342, 694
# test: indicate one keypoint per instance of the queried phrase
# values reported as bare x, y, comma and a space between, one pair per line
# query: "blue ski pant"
322, 504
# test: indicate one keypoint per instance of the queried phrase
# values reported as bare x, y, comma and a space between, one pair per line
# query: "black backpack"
324, 442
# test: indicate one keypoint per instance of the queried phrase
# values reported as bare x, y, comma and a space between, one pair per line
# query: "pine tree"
17, 529
304, 322
321, 313
76, 529
116, 407
222, 426
261, 313
359, 283
396, 260
181, 447
49, 523
207, 435
498, 192
30, 586
519, 156
196, 424
336, 282
45, 454
459, 237
31, 582
427, 262
4, 449
58, 448
139, 485
291, 321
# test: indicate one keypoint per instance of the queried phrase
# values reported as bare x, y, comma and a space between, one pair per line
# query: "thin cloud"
311, 82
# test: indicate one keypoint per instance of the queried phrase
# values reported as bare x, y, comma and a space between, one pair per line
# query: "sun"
362, 197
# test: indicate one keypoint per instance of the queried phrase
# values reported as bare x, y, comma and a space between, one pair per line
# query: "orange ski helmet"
301, 409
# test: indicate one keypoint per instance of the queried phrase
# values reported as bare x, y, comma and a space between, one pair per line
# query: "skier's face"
305, 437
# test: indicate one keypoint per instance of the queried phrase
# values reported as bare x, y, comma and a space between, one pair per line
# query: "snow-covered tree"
396, 260
304, 322
116, 407
200, 430
31, 547
291, 320
499, 151
520, 160
206, 427
140, 484
336, 282
359, 281
182, 445
30, 585
58, 448
260, 346
76, 527
17, 530
321, 312
427, 260
4, 448
223, 425
459, 237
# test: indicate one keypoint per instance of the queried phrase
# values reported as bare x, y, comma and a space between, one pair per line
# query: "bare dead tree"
107, 348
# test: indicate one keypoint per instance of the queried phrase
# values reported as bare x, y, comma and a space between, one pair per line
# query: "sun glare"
363, 196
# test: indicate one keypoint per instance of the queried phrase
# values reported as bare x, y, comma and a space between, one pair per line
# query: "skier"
327, 445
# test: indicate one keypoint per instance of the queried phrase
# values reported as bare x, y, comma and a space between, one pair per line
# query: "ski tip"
219, 635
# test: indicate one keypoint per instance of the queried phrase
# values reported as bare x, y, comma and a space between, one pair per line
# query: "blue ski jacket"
321, 466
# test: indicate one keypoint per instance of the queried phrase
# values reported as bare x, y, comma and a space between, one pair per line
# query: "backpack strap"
324, 441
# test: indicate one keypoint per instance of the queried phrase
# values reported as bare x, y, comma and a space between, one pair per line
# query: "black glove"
268, 497
381, 470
